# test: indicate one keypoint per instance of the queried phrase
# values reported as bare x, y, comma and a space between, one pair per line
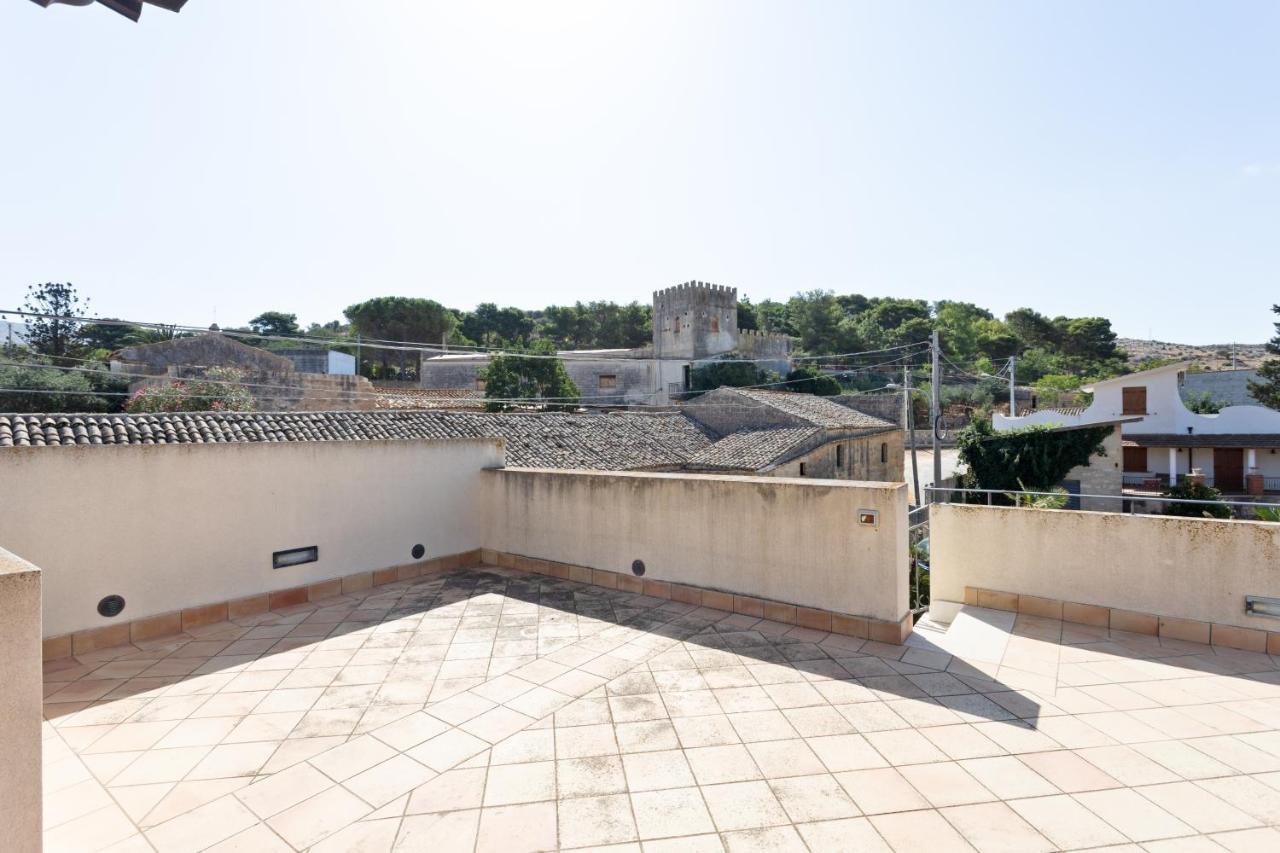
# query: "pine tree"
1267, 389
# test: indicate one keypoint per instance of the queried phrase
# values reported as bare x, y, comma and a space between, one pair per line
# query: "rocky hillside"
1211, 357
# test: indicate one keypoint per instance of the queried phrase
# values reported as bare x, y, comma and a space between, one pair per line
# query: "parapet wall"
756, 344
1182, 577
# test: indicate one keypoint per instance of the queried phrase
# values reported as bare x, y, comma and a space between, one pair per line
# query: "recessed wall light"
295, 557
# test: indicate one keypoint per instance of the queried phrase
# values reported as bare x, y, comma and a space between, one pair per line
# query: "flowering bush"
215, 393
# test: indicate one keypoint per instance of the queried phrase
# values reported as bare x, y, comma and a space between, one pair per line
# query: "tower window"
715, 324
839, 455
884, 452
677, 326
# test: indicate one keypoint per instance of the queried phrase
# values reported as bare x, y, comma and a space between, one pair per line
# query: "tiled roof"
400, 399
751, 450
615, 442
815, 410
1202, 440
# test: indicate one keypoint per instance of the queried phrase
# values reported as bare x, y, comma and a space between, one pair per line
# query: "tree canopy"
1266, 390
519, 381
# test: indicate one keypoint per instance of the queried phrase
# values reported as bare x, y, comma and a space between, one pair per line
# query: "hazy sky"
1113, 158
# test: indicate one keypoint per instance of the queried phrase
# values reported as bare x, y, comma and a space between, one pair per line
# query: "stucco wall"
1184, 568
171, 527
20, 704
792, 541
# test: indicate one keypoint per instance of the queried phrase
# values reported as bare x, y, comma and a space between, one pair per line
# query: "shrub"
811, 380
1196, 492
214, 393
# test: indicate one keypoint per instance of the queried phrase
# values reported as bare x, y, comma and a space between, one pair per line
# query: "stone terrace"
492, 710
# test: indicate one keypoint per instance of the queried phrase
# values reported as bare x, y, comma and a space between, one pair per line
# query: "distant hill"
1210, 357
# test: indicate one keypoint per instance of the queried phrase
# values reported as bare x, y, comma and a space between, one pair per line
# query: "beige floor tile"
903, 747
91, 831
852, 834
131, 736
444, 751
585, 741
529, 745
384, 782
595, 776
1234, 752
1183, 760
779, 758
813, 798
274, 794
1247, 794
75, 801
906, 831
163, 765
522, 828
185, 796
202, 827
1068, 772
651, 771
670, 812
368, 836
256, 839
315, 819
961, 741
708, 843
761, 725
1197, 807
497, 724
595, 821
846, 752
1127, 765
995, 828
520, 783
777, 839
1265, 840
728, 763
880, 791
1008, 778
453, 790
945, 784
205, 731
261, 727
743, 805
712, 730
1066, 823
447, 832
1138, 818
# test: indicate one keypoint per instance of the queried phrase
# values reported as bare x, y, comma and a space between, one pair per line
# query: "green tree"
275, 323
772, 316
816, 317
731, 372
111, 336
810, 380
519, 380
42, 387
400, 318
747, 314
54, 333
1032, 328
1266, 390
1033, 458
1203, 404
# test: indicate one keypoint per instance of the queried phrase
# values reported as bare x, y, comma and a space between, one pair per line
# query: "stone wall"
695, 320
887, 407
209, 349
875, 458
725, 411
287, 391
1223, 386
1104, 475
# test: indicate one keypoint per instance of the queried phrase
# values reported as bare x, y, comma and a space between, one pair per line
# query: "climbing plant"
1032, 458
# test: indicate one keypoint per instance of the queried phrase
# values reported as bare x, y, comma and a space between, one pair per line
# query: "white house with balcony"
1236, 450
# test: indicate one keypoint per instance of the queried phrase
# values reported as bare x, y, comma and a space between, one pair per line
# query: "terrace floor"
492, 710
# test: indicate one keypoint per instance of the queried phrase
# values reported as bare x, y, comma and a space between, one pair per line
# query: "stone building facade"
693, 323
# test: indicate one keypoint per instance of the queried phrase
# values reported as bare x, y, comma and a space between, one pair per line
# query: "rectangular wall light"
1257, 605
295, 557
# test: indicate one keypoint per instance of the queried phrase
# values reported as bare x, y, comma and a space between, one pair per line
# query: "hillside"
1211, 356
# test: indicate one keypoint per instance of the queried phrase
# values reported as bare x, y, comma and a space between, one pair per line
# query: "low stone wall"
276, 391
796, 542
1185, 577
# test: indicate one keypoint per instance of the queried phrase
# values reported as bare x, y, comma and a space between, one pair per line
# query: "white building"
1235, 450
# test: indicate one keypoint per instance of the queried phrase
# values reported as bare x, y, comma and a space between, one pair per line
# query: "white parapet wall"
169, 527
20, 704
1169, 567
788, 540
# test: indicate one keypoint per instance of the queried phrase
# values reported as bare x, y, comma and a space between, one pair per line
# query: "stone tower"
695, 320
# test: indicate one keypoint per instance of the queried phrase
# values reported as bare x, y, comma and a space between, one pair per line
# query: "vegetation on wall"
1033, 458
514, 376
216, 392
1203, 404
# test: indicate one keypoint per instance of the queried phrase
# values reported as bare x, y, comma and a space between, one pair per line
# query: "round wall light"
418, 551
637, 567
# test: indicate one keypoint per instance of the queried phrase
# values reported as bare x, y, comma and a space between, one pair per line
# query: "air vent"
637, 567
418, 551
111, 606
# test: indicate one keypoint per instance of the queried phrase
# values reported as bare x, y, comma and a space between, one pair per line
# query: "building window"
1135, 460
884, 452
715, 324
1134, 400
607, 381
839, 455
479, 384
677, 326
801, 469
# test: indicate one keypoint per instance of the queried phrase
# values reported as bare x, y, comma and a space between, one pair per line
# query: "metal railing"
1127, 503
918, 555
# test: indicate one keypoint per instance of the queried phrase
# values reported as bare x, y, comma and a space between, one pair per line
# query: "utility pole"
1013, 395
357, 353
908, 421
935, 410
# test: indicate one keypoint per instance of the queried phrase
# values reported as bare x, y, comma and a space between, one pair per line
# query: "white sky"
302, 155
